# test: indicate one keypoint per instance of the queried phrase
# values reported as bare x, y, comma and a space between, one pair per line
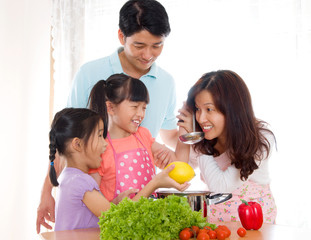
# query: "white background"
268, 45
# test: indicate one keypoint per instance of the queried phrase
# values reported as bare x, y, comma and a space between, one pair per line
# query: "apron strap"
109, 139
115, 154
154, 169
139, 141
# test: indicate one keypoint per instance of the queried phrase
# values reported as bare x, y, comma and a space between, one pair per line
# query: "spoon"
192, 137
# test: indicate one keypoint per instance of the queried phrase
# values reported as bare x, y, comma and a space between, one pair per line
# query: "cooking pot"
198, 199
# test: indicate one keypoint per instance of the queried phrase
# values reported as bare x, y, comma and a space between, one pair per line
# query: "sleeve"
170, 121
262, 175
271, 140
216, 179
79, 92
229, 180
84, 183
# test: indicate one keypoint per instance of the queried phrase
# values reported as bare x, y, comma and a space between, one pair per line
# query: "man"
143, 27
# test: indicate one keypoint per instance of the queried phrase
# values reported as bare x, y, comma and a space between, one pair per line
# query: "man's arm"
169, 137
46, 208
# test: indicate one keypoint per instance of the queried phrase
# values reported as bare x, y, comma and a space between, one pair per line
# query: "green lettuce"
149, 219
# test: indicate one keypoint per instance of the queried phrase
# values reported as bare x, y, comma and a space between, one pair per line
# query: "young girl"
128, 160
234, 155
78, 136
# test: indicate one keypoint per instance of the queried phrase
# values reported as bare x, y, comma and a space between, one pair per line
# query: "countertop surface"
266, 232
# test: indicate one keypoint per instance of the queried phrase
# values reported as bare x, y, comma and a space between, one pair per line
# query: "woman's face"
210, 119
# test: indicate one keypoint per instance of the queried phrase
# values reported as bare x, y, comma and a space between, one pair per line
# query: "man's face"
141, 49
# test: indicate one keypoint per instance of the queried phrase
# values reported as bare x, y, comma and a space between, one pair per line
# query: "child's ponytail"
97, 101
116, 89
53, 148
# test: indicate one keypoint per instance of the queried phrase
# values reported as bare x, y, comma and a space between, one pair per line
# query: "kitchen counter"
266, 232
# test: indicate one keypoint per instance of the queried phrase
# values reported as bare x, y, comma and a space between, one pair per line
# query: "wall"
24, 122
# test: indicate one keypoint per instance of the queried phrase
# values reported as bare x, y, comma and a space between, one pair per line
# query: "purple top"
71, 212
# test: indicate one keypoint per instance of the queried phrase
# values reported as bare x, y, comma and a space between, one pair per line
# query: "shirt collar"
117, 68
115, 61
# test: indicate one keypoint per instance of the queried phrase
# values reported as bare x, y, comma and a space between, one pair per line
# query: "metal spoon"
193, 137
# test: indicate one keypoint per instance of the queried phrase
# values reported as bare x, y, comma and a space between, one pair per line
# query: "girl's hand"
163, 180
124, 194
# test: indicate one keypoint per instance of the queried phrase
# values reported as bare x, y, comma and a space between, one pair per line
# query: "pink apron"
134, 168
249, 191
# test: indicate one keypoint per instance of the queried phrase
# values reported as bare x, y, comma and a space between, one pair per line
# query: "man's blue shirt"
160, 113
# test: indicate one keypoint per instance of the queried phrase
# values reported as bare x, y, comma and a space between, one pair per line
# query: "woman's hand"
163, 180
185, 120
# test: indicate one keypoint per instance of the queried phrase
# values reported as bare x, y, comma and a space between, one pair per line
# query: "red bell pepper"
250, 214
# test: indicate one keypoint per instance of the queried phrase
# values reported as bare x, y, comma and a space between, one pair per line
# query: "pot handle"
218, 198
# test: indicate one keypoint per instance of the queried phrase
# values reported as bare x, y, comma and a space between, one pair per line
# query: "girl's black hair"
68, 124
116, 89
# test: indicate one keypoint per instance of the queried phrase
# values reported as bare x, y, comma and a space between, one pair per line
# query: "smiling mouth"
146, 62
136, 122
207, 128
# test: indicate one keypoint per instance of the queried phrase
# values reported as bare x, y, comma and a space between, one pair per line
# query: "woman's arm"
182, 150
185, 124
163, 155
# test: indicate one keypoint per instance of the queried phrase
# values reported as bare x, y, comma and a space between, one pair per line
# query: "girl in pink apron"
234, 156
128, 161
134, 168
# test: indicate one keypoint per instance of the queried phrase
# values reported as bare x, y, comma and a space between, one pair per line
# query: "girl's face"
209, 118
96, 146
126, 117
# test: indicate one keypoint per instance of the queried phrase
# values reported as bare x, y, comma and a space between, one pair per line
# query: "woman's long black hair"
245, 141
